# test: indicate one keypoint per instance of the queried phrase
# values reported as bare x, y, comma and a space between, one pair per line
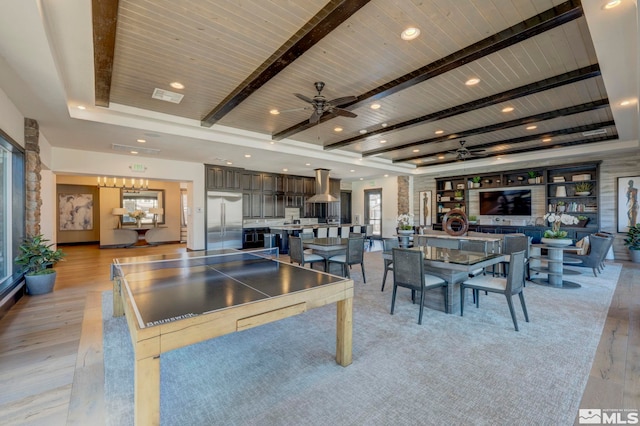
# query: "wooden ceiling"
240, 60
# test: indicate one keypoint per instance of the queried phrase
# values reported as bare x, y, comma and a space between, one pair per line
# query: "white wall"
389, 188
11, 121
69, 161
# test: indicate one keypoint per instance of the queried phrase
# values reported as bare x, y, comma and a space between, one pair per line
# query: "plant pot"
531, 180
582, 194
405, 231
635, 255
582, 223
558, 242
560, 209
40, 284
476, 184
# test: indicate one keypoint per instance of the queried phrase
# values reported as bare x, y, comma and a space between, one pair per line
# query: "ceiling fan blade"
304, 98
343, 100
473, 151
293, 109
343, 112
315, 117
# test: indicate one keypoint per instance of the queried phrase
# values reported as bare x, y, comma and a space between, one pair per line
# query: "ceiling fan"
321, 105
463, 153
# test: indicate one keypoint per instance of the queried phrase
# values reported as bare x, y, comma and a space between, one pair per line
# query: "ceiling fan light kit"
321, 105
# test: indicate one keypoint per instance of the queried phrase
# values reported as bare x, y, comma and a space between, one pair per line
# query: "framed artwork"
628, 202
425, 208
76, 212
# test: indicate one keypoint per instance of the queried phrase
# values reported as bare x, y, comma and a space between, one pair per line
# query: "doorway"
373, 210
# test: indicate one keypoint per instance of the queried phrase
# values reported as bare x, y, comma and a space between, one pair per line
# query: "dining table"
453, 266
326, 247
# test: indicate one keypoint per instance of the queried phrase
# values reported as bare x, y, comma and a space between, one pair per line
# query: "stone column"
403, 195
33, 197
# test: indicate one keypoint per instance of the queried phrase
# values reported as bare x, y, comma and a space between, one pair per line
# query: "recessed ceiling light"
507, 109
285, 170
141, 140
440, 157
82, 107
531, 127
274, 112
229, 163
439, 132
361, 178
134, 152
410, 33
337, 129
416, 150
363, 131
272, 143
498, 158
386, 175
352, 170
611, 4
472, 81
384, 124
307, 164
247, 156
383, 141
375, 106
546, 140
177, 85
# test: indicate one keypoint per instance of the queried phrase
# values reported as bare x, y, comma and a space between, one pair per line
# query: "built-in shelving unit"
564, 192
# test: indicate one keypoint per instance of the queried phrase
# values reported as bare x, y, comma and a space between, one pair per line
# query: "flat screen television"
514, 202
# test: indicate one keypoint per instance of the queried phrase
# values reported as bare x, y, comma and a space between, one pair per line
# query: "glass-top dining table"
452, 265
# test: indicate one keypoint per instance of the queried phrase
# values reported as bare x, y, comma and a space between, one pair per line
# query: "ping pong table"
178, 300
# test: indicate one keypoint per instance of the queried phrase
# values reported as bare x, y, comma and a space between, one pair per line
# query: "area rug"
450, 370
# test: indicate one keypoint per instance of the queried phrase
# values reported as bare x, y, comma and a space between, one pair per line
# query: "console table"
554, 269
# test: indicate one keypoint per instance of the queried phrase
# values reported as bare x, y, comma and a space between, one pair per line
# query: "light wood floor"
42, 355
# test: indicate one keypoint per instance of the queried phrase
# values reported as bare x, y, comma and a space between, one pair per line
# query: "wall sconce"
119, 211
155, 211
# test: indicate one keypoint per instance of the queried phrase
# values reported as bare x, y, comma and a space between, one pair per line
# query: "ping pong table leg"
118, 307
147, 391
344, 331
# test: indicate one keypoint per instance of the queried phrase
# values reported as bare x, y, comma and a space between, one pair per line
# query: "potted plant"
532, 176
405, 224
473, 219
37, 257
560, 206
476, 181
458, 195
583, 188
633, 242
555, 236
582, 220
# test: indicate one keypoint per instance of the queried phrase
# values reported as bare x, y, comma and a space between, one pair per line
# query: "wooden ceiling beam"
323, 23
538, 24
104, 17
575, 109
526, 90
522, 139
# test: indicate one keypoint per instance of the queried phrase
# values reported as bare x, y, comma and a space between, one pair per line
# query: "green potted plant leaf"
583, 188
633, 242
458, 195
476, 181
36, 258
582, 220
532, 176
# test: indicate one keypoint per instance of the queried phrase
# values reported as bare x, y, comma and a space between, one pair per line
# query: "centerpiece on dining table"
405, 224
555, 236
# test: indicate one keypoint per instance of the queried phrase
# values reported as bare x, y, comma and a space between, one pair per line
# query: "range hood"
322, 188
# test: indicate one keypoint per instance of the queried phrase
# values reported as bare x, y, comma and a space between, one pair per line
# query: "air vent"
594, 132
165, 95
139, 149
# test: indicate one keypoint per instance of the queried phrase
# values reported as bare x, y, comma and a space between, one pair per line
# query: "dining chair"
408, 272
388, 244
511, 285
368, 234
513, 243
322, 232
598, 248
333, 232
353, 256
477, 246
297, 253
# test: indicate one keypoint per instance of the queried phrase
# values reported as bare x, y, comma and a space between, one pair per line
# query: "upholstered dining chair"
388, 244
353, 256
512, 243
298, 255
511, 285
408, 272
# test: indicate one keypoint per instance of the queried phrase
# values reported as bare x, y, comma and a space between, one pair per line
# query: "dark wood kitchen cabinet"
223, 178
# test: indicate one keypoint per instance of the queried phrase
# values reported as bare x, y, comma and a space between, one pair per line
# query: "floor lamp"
119, 211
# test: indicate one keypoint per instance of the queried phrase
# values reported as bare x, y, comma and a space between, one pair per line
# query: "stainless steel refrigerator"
224, 220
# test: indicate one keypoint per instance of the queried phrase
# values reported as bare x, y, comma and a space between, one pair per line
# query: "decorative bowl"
557, 242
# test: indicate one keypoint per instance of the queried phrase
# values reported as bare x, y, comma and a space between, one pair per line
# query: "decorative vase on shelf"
558, 242
138, 223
